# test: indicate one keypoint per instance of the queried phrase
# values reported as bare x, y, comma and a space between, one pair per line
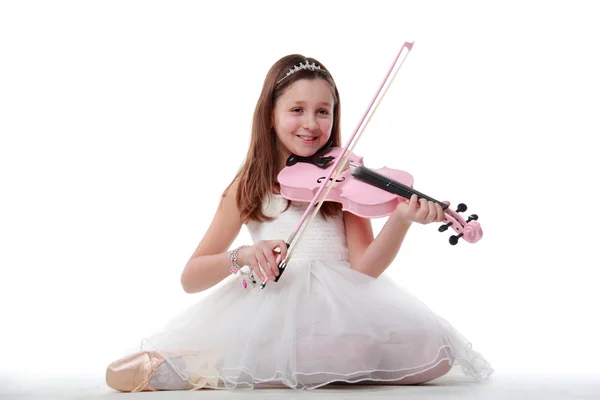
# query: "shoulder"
230, 195
228, 209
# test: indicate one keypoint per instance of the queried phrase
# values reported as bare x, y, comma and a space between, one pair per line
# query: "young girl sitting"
331, 318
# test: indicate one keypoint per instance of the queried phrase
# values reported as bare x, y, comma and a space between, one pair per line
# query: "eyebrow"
323, 103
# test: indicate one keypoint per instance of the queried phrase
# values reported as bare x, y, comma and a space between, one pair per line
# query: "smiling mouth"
308, 138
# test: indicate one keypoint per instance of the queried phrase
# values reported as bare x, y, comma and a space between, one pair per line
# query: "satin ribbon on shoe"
133, 373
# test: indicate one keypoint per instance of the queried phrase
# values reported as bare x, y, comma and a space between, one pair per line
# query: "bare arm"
209, 264
372, 256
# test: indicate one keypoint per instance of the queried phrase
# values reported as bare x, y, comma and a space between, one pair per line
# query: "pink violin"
365, 192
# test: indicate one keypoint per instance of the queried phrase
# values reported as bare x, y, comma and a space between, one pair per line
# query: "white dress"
322, 322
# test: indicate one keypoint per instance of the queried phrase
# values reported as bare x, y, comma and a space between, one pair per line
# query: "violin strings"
384, 183
376, 179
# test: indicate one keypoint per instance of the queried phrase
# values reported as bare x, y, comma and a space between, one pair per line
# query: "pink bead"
244, 284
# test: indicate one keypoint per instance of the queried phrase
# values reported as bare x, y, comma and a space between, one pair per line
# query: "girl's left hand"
420, 210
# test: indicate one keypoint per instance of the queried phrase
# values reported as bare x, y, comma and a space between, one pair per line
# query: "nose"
310, 122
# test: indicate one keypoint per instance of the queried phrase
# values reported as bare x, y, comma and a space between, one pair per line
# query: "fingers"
271, 266
271, 255
283, 249
256, 269
429, 211
439, 213
264, 263
423, 211
413, 205
272, 263
279, 247
266, 259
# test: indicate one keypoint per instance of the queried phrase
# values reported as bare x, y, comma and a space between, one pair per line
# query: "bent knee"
429, 375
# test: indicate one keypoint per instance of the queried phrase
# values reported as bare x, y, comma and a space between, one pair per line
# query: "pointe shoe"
133, 373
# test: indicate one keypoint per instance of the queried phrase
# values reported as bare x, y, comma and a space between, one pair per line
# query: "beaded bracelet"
235, 268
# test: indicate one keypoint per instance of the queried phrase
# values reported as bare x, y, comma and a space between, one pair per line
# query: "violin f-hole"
337, 180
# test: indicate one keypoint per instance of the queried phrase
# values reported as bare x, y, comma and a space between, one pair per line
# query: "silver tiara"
299, 67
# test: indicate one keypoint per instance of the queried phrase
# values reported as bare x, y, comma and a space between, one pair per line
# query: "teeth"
306, 137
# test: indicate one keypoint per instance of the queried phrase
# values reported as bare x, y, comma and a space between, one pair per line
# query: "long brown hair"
258, 174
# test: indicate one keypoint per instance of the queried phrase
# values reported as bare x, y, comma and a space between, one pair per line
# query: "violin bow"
341, 162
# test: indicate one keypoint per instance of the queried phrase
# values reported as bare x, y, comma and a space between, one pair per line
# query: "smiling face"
303, 117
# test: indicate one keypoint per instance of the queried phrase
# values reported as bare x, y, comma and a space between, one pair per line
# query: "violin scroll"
469, 230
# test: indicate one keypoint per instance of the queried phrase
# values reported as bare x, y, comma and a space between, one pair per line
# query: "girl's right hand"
262, 257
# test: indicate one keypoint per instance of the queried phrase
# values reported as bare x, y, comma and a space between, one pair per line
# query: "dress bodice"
324, 239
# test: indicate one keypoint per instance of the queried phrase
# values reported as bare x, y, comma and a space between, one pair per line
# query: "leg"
440, 370
348, 355
441, 365
436, 372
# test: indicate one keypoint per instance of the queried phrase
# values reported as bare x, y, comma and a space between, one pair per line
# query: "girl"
331, 317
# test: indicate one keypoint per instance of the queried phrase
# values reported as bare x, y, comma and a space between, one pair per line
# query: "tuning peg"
454, 239
444, 227
461, 208
472, 217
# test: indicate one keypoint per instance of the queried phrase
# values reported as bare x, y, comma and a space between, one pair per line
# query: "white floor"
500, 387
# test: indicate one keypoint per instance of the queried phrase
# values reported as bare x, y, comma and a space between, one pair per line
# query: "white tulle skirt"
321, 323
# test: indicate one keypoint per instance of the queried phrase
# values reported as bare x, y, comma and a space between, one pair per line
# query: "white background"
121, 122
